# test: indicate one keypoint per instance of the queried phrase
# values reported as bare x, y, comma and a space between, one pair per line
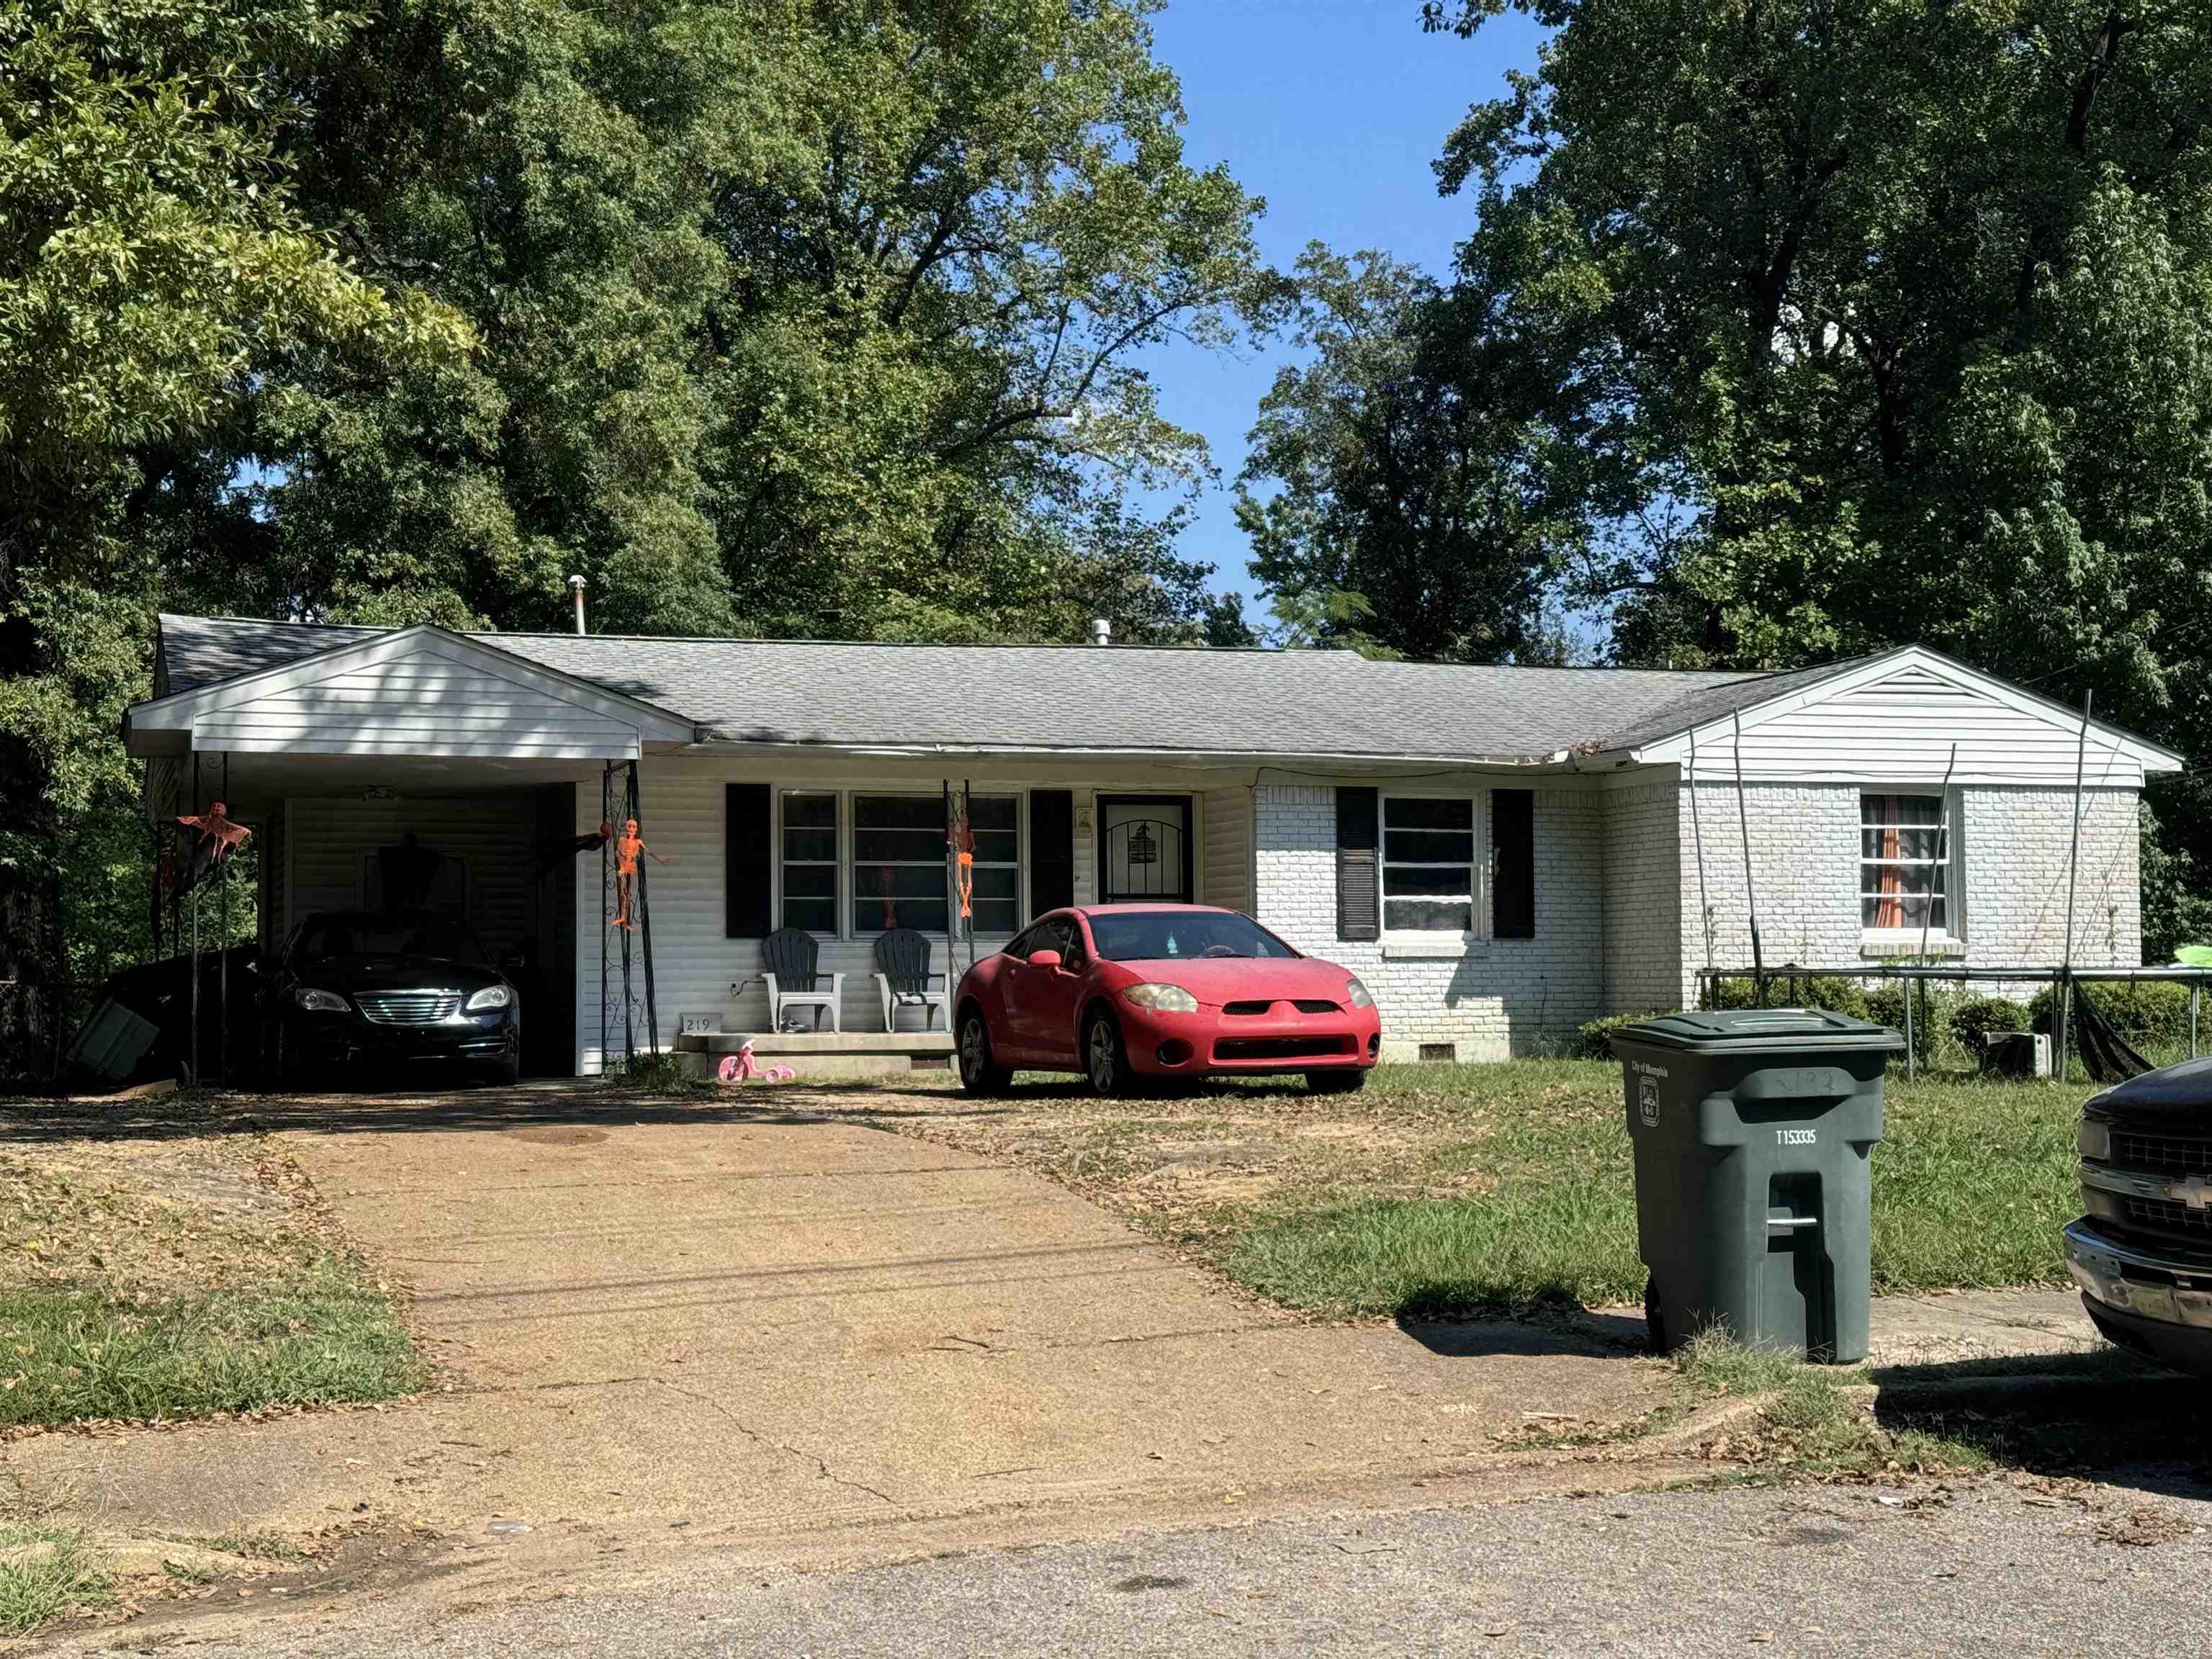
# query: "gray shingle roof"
1127, 697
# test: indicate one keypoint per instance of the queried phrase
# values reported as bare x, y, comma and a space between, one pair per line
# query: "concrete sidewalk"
812, 1342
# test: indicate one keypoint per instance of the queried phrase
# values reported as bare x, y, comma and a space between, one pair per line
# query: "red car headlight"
1161, 999
1357, 994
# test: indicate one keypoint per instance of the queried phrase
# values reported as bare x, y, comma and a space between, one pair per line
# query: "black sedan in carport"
357, 990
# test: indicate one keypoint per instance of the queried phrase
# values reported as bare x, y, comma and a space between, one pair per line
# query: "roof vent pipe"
1102, 631
576, 586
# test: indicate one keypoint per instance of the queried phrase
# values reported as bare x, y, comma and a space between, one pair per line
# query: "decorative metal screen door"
1143, 848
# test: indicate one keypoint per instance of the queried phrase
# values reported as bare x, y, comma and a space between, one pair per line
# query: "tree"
1412, 488
1908, 308
151, 264
799, 316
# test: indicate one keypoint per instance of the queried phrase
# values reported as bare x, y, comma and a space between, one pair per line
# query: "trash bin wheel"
1654, 1319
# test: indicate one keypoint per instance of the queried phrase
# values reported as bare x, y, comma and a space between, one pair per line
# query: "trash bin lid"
1761, 1029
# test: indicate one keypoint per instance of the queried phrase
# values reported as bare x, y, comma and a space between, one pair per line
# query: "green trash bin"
1754, 1208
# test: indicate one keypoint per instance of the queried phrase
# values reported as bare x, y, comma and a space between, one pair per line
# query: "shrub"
2141, 1011
1838, 996
1886, 1006
1976, 1019
1590, 1035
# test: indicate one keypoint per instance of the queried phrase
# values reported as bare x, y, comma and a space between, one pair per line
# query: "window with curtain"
1903, 852
809, 847
899, 863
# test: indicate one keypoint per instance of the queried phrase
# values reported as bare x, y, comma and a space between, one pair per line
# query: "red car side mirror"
1044, 958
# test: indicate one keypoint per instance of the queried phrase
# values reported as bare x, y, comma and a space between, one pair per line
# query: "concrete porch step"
826, 1055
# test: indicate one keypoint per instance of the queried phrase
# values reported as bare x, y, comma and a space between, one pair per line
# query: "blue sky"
1333, 109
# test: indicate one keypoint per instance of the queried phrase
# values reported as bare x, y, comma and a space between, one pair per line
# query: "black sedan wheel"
980, 1074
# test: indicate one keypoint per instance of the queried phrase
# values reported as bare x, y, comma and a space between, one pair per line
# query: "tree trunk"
30, 963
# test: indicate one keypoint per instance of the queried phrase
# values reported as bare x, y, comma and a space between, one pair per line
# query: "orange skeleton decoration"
219, 836
627, 845
963, 844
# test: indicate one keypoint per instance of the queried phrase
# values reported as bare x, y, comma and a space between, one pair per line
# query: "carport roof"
835, 693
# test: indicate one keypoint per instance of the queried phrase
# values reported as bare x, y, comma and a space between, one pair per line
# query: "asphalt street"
1987, 1569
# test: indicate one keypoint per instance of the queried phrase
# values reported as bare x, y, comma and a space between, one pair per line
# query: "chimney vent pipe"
576, 586
1102, 631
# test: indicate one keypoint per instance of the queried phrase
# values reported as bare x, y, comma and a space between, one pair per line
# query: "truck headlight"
492, 996
1161, 999
2094, 1138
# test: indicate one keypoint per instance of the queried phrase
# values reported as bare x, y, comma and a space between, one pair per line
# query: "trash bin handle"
1787, 1223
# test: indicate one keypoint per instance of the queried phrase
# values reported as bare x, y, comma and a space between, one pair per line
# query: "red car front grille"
1316, 1046
1304, 1005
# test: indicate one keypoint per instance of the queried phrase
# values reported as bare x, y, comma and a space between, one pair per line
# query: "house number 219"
1795, 1137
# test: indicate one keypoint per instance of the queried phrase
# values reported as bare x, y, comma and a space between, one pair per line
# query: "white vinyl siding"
422, 703
1897, 730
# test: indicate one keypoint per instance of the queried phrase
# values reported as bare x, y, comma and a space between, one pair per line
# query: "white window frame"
1478, 868
1892, 940
836, 863
852, 850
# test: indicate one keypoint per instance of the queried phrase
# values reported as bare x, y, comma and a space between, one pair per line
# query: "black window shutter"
1513, 887
748, 845
1357, 817
1052, 850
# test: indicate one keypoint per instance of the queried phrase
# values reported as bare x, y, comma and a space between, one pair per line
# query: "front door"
1143, 849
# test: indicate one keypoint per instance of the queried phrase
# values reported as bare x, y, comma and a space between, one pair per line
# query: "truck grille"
408, 1007
2164, 1215
2176, 1155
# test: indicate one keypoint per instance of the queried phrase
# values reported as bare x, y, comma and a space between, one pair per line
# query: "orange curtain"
1889, 908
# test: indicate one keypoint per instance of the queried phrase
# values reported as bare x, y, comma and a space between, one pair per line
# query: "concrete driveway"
663, 1328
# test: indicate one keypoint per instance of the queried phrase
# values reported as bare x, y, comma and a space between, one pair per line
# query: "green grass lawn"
313, 1338
175, 1277
1970, 1188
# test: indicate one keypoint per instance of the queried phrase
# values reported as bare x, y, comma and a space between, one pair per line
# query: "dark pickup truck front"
2143, 1254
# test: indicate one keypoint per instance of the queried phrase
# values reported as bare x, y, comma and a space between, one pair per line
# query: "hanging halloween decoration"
627, 845
218, 832
887, 889
549, 853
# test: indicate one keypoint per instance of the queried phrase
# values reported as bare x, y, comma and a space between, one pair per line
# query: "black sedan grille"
408, 1007
2173, 1155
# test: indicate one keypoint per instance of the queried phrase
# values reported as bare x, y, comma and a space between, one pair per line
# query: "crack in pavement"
820, 1463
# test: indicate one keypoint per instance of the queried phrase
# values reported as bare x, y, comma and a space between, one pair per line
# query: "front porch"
822, 1056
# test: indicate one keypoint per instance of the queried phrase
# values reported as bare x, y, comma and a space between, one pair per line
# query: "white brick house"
1500, 853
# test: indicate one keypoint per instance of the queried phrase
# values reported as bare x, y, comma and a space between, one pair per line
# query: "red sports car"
1119, 992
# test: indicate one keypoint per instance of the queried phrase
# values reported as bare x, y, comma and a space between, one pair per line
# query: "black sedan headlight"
491, 997
318, 1002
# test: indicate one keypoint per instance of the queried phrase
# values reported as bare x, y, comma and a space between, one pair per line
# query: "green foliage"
322, 1337
1593, 1036
1409, 490
1976, 1019
1838, 996
2174, 913
2141, 1011
767, 316
1884, 1006
47, 1572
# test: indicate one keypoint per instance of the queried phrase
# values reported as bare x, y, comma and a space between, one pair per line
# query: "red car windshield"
1165, 935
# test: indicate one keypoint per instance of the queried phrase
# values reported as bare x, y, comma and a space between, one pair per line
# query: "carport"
409, 767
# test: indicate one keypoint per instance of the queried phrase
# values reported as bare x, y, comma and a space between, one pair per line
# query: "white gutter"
1210, 756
